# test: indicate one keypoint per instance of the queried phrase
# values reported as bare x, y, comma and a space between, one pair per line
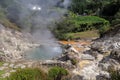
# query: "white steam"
35, 16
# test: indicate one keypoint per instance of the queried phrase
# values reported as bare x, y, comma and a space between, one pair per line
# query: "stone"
2, 68
77, 77
13, 71
5, 64
19, 66
104, 66
6, 75
103, 76
72, 49
89, 72
23, 66
11, 65
87, 57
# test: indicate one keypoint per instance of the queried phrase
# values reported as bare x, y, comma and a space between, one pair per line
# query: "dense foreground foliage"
28, 74
55, 73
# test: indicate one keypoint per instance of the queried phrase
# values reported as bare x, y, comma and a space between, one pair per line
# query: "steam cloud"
35, 16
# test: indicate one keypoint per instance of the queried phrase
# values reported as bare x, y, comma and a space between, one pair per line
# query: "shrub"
56, 73
28, 74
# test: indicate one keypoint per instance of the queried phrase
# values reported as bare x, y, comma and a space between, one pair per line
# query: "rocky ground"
85, 59
96, 59
87, 65
13, 44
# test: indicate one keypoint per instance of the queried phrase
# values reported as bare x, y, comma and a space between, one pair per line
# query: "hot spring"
44, 52
36, 17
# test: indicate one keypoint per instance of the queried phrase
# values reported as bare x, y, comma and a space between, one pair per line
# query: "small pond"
44, 52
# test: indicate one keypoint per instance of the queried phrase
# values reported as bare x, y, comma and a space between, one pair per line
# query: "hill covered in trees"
101, 15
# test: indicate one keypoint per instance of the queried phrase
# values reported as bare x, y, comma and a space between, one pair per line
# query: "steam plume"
36, 15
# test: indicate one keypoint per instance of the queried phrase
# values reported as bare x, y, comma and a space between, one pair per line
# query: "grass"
2, 72
1, 63
89, 20
7, 23
83, 35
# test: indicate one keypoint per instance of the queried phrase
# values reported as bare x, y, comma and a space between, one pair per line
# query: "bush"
28, 74
56, 73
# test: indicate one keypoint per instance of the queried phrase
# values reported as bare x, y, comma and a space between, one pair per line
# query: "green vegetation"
115, 75
75, 24
1, 72
83, 35
74, 61
116, 21
28, 74
95, 7
5, 21
1, 63
4, 4
56, 73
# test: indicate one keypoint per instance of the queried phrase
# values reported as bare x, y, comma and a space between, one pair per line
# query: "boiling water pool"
44, 52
